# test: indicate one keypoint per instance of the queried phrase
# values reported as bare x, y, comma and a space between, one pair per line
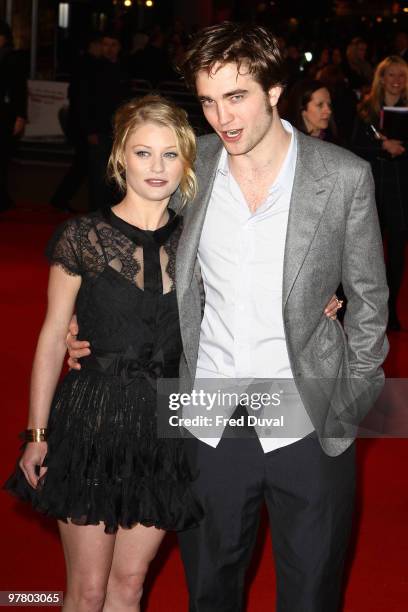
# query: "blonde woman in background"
389, 161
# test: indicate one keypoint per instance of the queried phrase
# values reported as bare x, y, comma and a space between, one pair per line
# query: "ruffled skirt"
105, 462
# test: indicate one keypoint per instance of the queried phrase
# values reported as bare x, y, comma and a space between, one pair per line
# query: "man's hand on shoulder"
76, 348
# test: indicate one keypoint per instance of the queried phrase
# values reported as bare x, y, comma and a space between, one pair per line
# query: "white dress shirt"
241, 258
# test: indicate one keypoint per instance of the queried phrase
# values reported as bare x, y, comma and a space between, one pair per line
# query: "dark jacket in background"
153, 65
344, 104
81, 83
390, 176
76, 131
391, 187
13, 86
108, 87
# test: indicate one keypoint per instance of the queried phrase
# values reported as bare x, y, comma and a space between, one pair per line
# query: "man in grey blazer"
281, 219
317, 203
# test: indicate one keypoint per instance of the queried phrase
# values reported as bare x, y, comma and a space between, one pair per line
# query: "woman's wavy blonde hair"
158, 110
370, 107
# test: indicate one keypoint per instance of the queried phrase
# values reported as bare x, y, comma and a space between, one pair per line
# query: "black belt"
131, 368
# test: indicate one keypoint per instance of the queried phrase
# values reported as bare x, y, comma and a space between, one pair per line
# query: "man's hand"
332, 307
80, 348
76, 348
33, 456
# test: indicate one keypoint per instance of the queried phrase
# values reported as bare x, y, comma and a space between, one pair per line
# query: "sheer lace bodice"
86, 245
127, 296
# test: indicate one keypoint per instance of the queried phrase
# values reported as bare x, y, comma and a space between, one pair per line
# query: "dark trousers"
309, 497
77, 173
395, 265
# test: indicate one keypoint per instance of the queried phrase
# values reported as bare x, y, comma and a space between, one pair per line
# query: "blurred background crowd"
345, 62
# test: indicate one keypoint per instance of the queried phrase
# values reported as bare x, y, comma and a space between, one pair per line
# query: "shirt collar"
223, 167
287, 170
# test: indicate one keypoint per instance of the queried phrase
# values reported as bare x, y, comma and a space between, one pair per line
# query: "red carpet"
31, 557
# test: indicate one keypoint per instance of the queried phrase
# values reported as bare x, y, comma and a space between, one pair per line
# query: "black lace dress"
105, 462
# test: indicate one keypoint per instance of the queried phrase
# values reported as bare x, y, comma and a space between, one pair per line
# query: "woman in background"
389, 161
308, 108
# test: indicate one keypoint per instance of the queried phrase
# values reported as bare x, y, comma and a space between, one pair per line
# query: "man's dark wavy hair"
252, 48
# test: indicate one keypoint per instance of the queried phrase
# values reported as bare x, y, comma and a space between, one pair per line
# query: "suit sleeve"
364, 283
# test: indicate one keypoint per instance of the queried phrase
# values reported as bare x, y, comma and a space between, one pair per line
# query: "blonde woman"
389, 88
389, 161
92, 459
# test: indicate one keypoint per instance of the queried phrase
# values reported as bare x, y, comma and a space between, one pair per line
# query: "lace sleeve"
63, 249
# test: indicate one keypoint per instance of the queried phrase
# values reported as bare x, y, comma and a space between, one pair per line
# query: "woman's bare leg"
88, 556
134, 550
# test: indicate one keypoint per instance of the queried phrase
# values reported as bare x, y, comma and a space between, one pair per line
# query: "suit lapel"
312, 187
195, 215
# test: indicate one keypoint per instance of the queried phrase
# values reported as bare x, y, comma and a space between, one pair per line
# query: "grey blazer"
332, 237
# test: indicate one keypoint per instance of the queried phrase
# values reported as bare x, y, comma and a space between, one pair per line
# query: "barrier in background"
46, 103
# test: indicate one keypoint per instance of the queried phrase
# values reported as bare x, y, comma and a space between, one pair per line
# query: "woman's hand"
33, 456
332, 307
393, 147
76, 348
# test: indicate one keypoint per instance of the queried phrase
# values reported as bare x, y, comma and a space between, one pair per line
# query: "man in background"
13, 107
108, 88
76, 129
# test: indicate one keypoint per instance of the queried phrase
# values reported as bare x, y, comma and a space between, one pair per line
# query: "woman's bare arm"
49, 356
